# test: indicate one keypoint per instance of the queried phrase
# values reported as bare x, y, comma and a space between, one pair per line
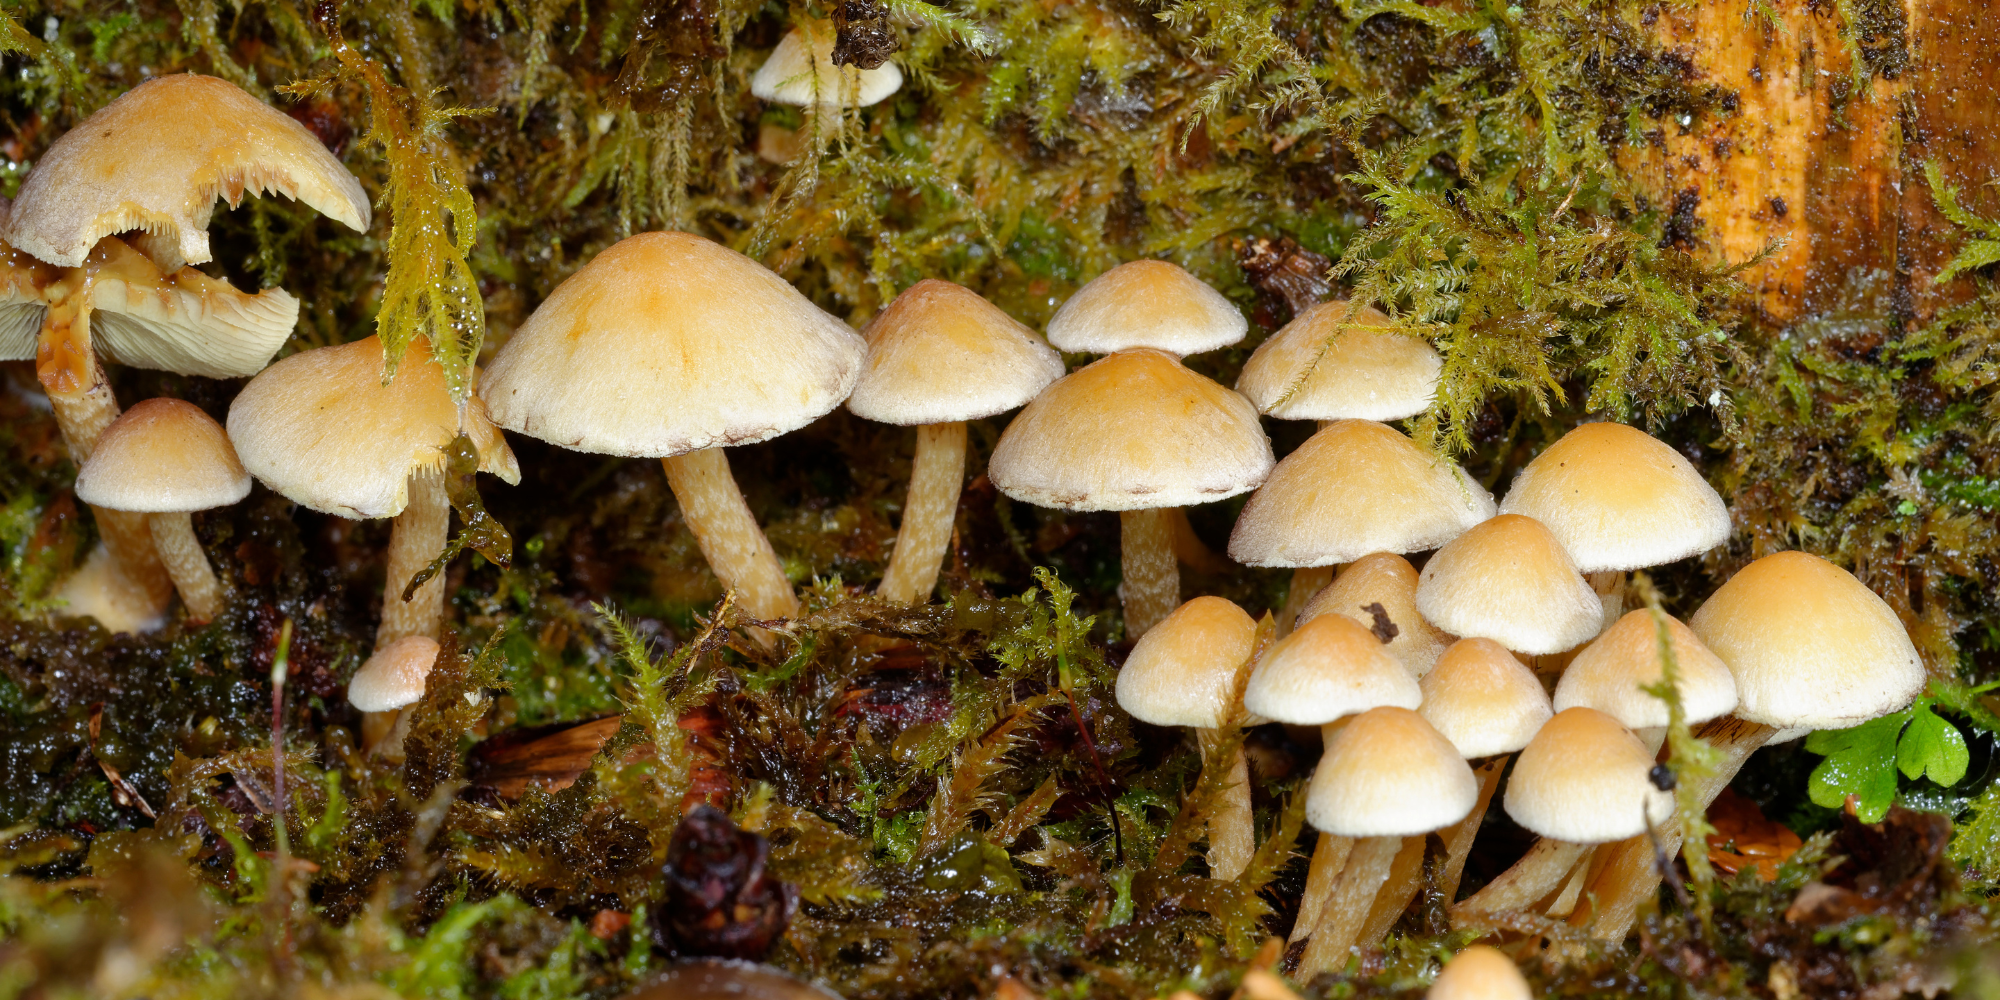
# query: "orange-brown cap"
1618, 498
1609, 674
1483, 700
1480, 972
1146, 303
1388, 580
1387, 773
1353, 488
939, 353
157, 159
1508, 580
1132, 431
1329, 667
1325, 365
1183, 671
1809, 645
162, 456
394, 676
1586, 779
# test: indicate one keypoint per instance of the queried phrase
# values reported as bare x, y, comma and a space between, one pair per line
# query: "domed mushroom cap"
1183, 671
801, 71
1387, 773
1508, 580
394, 676
667, 343
1388, 580
1480, 972
163, 456
940, 354
1608, 674
1146, 303
158, 157
1325, 366
1586, 779
322, 429
1618, 499
1483, 700
1132, 431
1810, 647
1328, 668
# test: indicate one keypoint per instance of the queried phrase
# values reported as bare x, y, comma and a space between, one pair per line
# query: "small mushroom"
1509, 580
1612, 673
167, 459
1146, 303
393, 678
939, 356
1379, 590
1489, 705
801, 71
1480, 972
1334, 362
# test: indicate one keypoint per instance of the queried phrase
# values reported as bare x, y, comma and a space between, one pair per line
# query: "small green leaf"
1932, 746
1861, 762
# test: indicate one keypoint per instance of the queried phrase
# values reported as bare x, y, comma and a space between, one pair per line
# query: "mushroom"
1138, 433
939, 356
393, 678
801, 71
1810, 648
1618, 499
1146, 303
669, 346
1331, 363
1387, 779
1355, 488
167, 459
1489, 705
1612, 673
1379, 590
1480, 972
1509, 580
1187, 671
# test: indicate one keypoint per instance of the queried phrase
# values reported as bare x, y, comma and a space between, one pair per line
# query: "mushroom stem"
1459, 839
1307, 581
1630, 874
1406, 877
1232, 833
936, 475
1532, 879
735, 547
1152, 586
1354, 892
180, 552
416, 538
1610, 588
1329, 857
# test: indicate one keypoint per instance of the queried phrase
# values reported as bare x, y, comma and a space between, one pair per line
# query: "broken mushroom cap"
1483, 700
1325, 365
1609, 674
1619, 499
322, 429
1509, 580
163, 456
1327, 668
157, 158
186, 322
1810, 647
801, 71
1388, 580
939, 354
1146, 303
1585, 779
394, 676
1133, 431
1387, 773
1183, 671
667, 343
22, 278
1354, 488
1480, 972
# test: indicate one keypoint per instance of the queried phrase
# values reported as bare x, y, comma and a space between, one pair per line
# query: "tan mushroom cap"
1328, 668
322, 429
1619, 499
1389, 580
1810, 647
1508, 580
1146, 303
939, 353
667, 343
1480, 972
1324, 366
394, 676
1608, 674
1354, 488
1387, 773
1183, 671
157, 158
1586, 779
801, 71
1483, 700
163, 456
1132, 431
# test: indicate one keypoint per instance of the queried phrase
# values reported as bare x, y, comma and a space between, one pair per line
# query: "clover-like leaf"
1860, 762
1932, 746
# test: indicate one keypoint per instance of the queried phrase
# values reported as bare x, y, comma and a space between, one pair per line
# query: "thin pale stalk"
1340, 925
415, 538
936, 475
1329, 857
1232, 832
1459, 839
730, 539
1532, 879
180, 552
1610, 588
1306, 582
1152, 586
1406, 878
